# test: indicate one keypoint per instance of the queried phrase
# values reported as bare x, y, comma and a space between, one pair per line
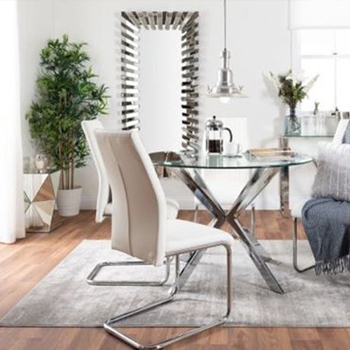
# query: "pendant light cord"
225, 24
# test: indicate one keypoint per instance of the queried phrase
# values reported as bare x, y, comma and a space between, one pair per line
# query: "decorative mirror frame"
131, 25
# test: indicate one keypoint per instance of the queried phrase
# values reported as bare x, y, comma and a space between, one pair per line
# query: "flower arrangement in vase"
292, 90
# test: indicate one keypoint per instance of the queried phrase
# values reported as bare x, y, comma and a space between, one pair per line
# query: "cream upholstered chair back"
139, 214
103, 186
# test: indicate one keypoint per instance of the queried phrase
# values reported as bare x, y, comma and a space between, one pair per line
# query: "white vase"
69, 201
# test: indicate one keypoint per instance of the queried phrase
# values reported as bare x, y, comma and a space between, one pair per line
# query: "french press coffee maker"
214, 129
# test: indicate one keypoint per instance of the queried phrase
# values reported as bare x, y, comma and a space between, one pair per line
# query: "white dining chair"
103, 203
297, 210
104, 209
104, 200
141, 229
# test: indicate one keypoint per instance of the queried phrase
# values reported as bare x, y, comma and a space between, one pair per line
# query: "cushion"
183, 235
346, 137
340, 131
333, 173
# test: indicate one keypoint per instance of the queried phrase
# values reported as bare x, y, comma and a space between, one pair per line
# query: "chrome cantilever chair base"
96, 270
295, 249
172, 293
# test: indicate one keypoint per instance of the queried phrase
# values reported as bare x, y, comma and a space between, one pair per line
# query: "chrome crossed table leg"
260, 179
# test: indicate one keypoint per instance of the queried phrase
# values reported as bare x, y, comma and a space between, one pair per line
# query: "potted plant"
67, 94
292, 90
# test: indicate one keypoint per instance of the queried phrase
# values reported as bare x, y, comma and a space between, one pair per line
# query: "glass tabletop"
307, 136
243, 161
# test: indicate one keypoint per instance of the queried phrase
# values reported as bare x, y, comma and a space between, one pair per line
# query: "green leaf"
66, 94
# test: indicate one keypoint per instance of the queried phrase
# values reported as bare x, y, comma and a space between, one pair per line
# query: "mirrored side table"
40, 193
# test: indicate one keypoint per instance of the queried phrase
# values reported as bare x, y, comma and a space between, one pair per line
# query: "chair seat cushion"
185, 235
172, 208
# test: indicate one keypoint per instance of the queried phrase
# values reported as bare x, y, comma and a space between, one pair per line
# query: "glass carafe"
214, 129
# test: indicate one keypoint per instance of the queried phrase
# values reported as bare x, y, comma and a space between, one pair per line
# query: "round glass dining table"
242, 161
265, 166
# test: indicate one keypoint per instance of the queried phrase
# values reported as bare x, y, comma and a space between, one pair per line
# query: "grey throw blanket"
327, 226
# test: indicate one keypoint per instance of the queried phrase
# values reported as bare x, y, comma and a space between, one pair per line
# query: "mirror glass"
160, 90
159, 93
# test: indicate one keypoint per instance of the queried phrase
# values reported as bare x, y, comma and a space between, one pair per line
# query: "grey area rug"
63, 299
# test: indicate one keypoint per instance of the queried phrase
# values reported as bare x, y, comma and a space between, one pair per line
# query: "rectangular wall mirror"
175, 85
160, 90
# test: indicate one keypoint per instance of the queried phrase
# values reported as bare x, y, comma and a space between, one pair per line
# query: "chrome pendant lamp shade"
224, 88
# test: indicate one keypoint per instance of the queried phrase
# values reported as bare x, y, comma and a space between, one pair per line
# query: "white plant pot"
69, 201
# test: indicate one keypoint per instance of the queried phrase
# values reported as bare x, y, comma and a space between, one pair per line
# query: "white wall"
258, 39
36, 25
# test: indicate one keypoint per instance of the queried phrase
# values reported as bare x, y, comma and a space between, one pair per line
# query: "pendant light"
225, 89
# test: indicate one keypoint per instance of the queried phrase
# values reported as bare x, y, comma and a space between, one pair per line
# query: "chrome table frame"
260, 179
108, 325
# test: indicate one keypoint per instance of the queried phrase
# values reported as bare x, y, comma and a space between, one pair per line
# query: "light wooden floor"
25, 263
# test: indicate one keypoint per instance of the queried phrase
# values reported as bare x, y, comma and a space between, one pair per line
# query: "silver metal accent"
133, 20
187, 23
160, 20
130, 60
295, 249
130, 28
143, 16
168, 18
97, 269
225, 88
260, 179
252, 219
177, 19
128, 49
284, 183
130, 42
152, 20
188, 20
172, 293
284, 192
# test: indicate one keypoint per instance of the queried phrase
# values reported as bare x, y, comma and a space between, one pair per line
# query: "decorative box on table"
40, 193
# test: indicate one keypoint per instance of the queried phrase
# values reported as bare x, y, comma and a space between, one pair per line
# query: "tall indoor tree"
67, 94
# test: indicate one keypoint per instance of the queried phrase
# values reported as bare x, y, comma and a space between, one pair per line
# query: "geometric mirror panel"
40, 191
